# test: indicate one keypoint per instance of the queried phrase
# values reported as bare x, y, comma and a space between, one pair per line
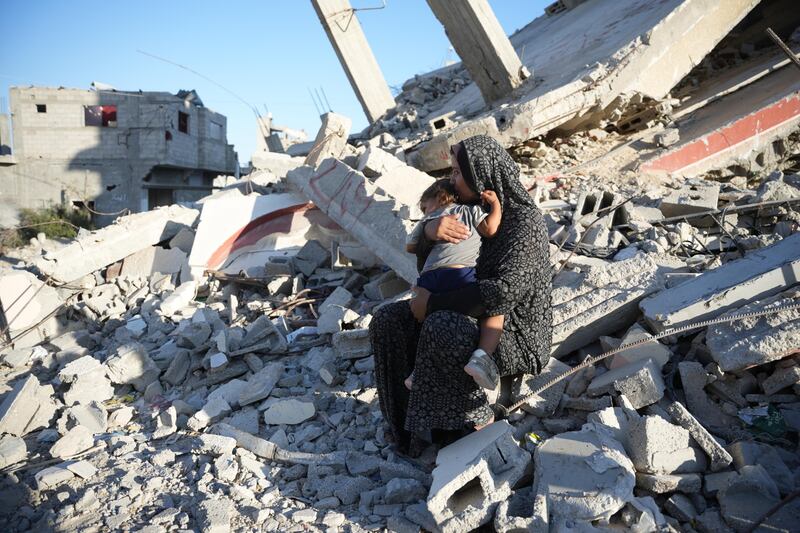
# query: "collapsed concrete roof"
585, 58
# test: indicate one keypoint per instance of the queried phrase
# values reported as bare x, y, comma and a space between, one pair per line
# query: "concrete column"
5, 134
355, 55
482, 44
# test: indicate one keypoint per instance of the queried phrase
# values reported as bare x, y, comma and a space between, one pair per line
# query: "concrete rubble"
208, 366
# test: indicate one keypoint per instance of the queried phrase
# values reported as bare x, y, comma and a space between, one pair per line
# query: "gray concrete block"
12, 450
352, 344
260, 384
600, 300
473, 475
658, 447
582, 475
666, 483
351, 200
544, 404
694, 196
760, 274
640, 382
27, 407
719, 457
131, 365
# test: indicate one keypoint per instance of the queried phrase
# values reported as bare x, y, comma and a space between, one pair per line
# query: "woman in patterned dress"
436, 334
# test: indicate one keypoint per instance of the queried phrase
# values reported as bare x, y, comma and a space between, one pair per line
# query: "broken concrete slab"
374, 161
654, 350
760, 274
331, 139
276, 163
746, 453
601, 300
153, 259
349, 198
131, 365
658, 447
76, 440
12, 450
87, 381
126, 236
289, 411
546, 403
310, 257
352, 344
749, 496
51, 477
578, 81
693, 197
582, 475
212, 411
694, 379
473, 475
640, 382
25, 301
756, 341
27, 407
406, 185
260, 384
734, 129
719, 457
241, 232
667, 483
781, 379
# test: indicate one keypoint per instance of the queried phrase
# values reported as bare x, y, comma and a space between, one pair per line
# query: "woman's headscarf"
486, 165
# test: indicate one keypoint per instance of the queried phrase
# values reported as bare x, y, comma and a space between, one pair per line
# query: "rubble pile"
161, 378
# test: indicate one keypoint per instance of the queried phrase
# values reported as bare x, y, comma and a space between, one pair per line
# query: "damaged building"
111, 151
208, 366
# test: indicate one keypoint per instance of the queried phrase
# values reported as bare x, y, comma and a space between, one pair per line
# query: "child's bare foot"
409, 381
479, 427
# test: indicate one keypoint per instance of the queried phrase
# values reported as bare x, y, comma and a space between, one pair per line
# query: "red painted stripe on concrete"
278, 221
728, 137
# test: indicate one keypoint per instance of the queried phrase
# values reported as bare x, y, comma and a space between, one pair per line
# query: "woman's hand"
419, 303
447, 228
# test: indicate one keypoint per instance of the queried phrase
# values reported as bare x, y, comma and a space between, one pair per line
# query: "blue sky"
268, 52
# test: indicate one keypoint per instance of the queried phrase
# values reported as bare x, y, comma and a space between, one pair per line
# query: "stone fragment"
262, 332
87, 381
780, 379
27, 407
331, 138
93, 416
334, 319
329, 374
12, 450
712, 483
210, 444
582, 475
211, 412
617, 420
166, 423
719, 457
749, 496
404, 490
352, 344
544, 404
51, 477
654, 350
119, 418
214, 515
473, 475
311, 257
340, 297
226, 467
695, 196
385, 286
290, 411
666, 483
694, 379
83, 469
260, 384
658, 447
76, 440
747, 453
131, 365
178, 367
640, 382
680, 507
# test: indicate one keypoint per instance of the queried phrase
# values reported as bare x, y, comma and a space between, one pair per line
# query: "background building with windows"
109, 150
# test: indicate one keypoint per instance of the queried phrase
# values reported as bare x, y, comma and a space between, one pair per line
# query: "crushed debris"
208, 366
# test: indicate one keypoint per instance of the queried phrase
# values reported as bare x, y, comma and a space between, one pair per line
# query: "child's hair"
440, 190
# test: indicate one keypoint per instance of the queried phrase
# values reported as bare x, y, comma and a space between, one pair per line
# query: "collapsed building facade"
109, 150
208, 367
